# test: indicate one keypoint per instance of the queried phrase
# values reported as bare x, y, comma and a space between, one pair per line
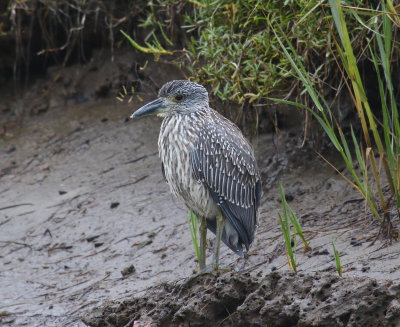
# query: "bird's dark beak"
152, 108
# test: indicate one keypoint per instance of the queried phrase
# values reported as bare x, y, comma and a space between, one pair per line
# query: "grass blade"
288, 242
288, 211
338, 262
150, 49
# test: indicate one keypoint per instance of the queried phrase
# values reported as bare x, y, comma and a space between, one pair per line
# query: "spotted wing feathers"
224, 161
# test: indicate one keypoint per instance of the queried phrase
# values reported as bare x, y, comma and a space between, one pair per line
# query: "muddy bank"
278, 299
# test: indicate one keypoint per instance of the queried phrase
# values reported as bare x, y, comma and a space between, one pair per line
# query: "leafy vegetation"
235, 51
367, 174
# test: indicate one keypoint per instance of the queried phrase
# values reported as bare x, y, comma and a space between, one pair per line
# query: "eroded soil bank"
86, 218
242, 299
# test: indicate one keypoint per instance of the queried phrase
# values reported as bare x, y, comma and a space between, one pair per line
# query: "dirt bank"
278, 299
86, 218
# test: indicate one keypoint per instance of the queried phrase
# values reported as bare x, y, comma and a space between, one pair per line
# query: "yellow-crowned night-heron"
208, 164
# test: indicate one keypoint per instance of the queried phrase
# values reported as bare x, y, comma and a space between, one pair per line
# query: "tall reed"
377, 154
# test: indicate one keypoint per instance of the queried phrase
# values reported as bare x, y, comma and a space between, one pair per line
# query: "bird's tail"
229, 235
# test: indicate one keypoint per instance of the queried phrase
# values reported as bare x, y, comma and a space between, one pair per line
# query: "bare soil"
90, 235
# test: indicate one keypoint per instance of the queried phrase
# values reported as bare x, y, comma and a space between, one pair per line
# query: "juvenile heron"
208, 164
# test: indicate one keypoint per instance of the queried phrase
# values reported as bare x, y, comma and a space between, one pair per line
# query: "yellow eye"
178, 97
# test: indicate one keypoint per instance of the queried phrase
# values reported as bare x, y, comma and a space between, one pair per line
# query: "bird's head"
176, 97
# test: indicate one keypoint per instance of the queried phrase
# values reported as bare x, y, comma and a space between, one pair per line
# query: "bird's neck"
180, 127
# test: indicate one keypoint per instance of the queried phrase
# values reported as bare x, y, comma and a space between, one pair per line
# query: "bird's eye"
178, 97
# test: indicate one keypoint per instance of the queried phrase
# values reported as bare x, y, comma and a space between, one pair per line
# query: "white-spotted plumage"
177, 166
209, 165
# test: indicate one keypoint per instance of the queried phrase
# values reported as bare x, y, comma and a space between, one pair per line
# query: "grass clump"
287, 220
231, 47
374, 161
235, 52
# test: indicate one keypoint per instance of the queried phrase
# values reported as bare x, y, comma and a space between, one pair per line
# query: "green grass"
287, 220
154, 48
234, 51
338, 263
380, 139
230, 45
290, 254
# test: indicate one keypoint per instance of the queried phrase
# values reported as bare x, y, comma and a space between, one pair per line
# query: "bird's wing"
224, 161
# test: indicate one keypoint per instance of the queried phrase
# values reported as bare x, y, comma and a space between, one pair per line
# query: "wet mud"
90, 235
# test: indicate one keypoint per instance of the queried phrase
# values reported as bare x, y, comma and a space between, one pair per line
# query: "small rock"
113, 205
355, 243
103, 120
61, 192
289, 197
128, 271
321, 252
144, 243
92, 238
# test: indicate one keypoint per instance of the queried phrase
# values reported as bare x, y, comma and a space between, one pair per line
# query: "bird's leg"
218, 234
203, 242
